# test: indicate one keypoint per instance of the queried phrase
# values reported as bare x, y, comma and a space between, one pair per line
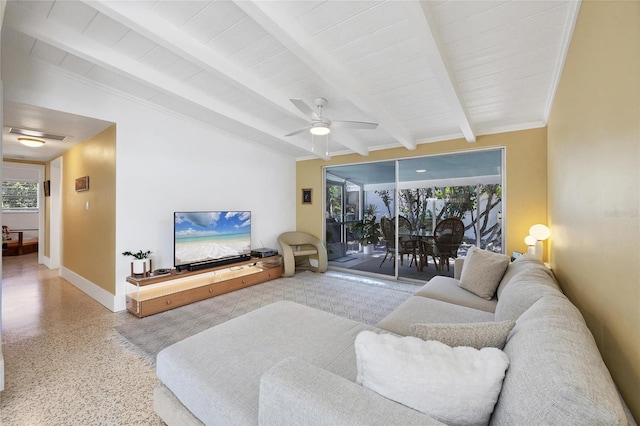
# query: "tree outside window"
19, 196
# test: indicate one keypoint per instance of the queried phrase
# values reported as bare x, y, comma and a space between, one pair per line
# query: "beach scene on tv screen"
210, 236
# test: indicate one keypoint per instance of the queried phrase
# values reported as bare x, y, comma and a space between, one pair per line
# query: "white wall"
22, 221
166, 163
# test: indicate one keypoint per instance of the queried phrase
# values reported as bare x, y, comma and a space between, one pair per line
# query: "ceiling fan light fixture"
320, 129
31, 142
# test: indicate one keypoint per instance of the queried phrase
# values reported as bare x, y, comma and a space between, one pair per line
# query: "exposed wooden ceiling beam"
287, 31
78, 45
424, 26
177, 41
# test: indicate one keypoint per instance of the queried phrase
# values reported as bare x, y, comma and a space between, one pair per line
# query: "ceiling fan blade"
299, 103
295, 132
353, 124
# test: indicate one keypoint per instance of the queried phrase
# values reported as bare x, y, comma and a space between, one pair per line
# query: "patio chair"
406, 241
302, 251
446, 240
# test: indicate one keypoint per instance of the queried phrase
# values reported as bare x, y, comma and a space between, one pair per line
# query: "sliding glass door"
408, 201
463, 187
357, 197
343, 207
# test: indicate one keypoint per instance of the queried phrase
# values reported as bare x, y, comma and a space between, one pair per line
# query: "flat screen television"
211, 238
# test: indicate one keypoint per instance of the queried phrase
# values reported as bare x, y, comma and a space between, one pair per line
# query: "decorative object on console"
263, 252
141, 264
538, 234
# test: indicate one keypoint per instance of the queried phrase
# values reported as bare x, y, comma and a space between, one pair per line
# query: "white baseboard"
110, 301
1, 370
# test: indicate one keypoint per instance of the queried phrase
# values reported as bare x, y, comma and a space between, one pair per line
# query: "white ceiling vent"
36, 134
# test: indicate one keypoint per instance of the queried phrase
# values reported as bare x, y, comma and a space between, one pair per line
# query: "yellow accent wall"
526, 177
88, 236
594, 184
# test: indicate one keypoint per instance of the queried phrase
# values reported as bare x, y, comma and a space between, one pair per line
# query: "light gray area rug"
358, 298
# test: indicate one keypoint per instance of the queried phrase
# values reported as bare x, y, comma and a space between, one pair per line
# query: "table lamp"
531, 244
540, 233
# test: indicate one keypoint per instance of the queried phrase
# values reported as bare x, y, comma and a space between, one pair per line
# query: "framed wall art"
82, 184
306, 196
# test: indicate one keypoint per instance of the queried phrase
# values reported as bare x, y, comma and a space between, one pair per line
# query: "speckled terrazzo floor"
64, 364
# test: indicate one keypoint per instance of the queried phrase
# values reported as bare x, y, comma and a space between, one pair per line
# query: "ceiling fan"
321, 125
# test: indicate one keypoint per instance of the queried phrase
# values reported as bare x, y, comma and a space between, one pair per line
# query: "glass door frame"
396, 198
343, 222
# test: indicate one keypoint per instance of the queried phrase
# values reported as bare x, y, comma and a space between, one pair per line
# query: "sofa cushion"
422, 310
525, 288
556, 375
458, 386
482, 272
523, 263
294, 392
216, 373
477, 335
447, 290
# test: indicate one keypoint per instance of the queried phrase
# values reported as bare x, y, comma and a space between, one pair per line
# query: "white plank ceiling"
425, 71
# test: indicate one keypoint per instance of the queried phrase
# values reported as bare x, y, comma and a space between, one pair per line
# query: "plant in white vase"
368, 231
141, 261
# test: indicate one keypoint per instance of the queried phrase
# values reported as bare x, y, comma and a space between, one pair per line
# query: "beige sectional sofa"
290, 364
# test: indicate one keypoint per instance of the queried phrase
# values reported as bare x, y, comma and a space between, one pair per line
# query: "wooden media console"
157, 293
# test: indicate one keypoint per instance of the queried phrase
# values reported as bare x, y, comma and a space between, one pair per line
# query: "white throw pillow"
482, 271
457, 386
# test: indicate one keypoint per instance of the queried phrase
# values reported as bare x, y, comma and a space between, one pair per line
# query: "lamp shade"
539, 232
529, 240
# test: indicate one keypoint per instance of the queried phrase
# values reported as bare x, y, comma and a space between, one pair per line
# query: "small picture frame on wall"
47, 188
82, 184
306, 196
